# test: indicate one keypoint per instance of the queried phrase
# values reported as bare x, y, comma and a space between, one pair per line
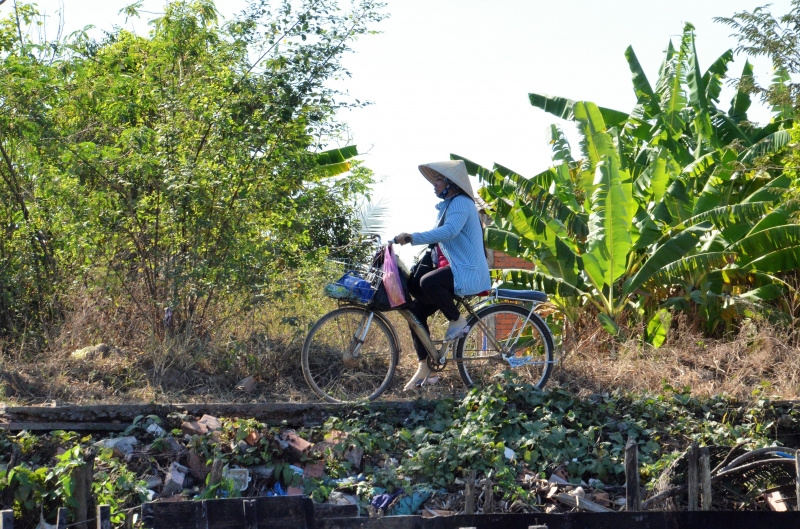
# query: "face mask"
444, 192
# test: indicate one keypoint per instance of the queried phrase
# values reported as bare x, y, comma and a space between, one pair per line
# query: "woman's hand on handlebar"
403, 238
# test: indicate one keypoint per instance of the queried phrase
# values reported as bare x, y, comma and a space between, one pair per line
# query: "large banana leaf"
778, 217
547, 205
641, 86
715, 75
772, 191
771, 250
645, 231
724, 217
561, 107
772, 144
672, 250
727, 279
609, 239
741, 101
595, 141
677, 204
727, 130
671, 94
690, 269
333, 162
697, 90
504, 241
560, 147
716, 187
653, 181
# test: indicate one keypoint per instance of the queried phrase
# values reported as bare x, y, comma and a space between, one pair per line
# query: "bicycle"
351, 353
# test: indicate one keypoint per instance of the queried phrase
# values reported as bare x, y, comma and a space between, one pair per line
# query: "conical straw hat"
453, 170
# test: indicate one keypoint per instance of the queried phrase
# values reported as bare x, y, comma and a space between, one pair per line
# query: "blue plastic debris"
409, 505
382, 501
277, 490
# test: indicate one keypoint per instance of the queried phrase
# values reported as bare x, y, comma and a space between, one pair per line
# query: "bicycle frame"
439, 354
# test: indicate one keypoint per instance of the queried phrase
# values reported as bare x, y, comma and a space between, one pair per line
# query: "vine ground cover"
427, 451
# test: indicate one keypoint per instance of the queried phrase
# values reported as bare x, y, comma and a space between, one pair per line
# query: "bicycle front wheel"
349, 355
478, 355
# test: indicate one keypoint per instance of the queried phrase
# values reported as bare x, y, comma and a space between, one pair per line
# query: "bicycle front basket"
355, 282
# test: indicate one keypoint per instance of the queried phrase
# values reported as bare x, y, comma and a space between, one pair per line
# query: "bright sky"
452, 76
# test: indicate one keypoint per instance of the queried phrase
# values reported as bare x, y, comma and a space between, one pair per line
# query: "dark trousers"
434, 291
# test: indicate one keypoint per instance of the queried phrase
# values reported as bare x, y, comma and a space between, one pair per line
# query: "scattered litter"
176, 475
122, 446
240, 476
156, 430
340, 498
510, 455
277, 490
382, 501
262, 471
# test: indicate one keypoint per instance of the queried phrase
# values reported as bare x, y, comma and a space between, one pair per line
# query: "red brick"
296, 444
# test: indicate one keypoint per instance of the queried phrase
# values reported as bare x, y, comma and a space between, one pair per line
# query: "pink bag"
391, 279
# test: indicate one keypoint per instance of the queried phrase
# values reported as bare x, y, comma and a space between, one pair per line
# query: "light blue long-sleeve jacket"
461, 240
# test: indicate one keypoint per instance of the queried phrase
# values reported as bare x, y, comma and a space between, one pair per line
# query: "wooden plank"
797, 478
633, 500
488, 496
330, 510
201, 515
7, 519
286, 512
580, 503
66, 426
103, 517
295, 414
83, 474
705, 478
692, 476
469, 491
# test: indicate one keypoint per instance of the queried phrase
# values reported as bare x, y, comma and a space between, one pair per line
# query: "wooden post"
797, 478
633, 500
83, 475
692, 477
705, 475
488, 497
103, 517
469, 491
7, 519
61, 520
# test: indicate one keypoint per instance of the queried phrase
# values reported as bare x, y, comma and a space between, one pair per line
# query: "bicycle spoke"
515, 333
328, 362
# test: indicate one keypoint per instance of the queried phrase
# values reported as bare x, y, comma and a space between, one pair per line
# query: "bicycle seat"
528, 295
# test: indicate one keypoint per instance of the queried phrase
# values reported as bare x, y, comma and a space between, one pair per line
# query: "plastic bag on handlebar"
391, 294
391, 279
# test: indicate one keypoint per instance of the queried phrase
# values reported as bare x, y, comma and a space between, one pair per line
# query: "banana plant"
663, 204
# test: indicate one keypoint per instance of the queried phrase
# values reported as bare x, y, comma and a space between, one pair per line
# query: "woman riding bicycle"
456, 256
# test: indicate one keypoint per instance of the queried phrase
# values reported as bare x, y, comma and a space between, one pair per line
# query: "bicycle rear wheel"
342, 362
479, 360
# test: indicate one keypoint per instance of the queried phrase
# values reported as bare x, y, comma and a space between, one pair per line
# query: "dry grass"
149, 365
758, 360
